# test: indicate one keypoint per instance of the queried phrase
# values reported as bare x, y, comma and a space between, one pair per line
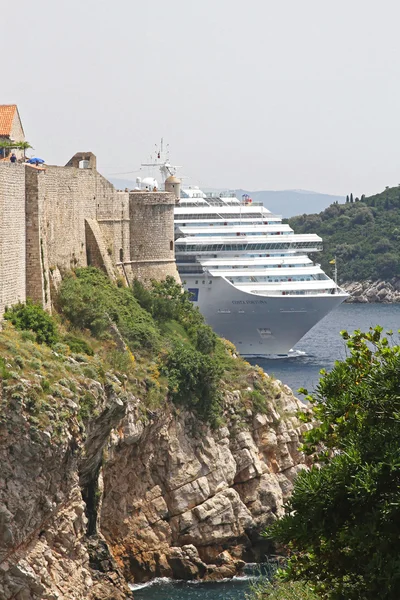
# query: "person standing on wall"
13, 158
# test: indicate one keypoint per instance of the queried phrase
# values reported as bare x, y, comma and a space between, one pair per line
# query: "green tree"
342, 523
9, 145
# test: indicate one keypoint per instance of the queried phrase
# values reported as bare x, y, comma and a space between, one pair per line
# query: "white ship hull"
259, 325
249, 274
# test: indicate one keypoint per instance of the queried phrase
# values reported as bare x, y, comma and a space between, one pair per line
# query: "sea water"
323, 344
166, 589
237, 588
317, 350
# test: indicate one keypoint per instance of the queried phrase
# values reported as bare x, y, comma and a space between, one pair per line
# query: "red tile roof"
7, 113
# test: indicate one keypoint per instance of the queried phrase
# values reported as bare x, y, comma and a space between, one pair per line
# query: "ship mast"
162, 162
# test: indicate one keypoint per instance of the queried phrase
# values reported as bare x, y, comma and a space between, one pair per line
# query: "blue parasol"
36, 161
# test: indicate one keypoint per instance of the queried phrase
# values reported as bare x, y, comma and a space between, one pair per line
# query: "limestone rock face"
374, 291
136, 493
181, 500
43, 526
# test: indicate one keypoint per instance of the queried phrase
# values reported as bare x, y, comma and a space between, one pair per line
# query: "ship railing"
188, 271
235, 202
319, 292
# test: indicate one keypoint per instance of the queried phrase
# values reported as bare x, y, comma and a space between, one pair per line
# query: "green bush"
4, 372
165, 301
120, 361
342, 522
78, 345
193, 381
87, 406
259, 401
292, 590
32, 317
206, 339
89, 300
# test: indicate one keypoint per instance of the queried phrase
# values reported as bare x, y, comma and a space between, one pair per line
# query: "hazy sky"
258, 94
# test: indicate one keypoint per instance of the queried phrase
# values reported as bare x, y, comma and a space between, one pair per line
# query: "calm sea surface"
317, 350
324, 344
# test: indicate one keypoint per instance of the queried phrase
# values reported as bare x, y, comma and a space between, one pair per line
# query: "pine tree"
351, 197
347, 199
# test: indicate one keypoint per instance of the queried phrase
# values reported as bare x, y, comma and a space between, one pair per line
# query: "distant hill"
364, 236
286, 203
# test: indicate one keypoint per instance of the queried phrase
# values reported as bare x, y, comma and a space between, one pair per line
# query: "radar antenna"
162, 162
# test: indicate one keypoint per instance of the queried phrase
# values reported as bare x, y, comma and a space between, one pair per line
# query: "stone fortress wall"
58, 218
12, 235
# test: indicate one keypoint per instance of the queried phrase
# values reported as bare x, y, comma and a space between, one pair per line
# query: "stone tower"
151, 216
173, 184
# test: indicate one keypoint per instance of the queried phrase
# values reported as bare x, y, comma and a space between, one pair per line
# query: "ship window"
197, 281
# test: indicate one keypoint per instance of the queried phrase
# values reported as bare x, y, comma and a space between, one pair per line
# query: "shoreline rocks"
363, 292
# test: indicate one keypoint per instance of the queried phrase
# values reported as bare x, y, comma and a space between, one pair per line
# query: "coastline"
381, 291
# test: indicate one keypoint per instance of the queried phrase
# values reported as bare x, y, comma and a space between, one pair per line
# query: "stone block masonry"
12, 235
56, 219
151, 217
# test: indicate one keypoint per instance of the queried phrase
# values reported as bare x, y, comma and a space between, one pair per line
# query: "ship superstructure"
249, 273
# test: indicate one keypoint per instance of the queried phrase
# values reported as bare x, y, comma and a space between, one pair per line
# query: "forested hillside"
363, 234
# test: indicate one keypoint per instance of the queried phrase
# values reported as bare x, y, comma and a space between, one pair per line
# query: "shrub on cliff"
31, 317
89, 300
342, 523
193, 381
205, 339
165, 300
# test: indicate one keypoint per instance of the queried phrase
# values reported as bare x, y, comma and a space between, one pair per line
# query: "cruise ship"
249, 273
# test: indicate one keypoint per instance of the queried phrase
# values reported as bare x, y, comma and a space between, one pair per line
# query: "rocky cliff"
45, 550
374, 291
135, 493
181, 500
